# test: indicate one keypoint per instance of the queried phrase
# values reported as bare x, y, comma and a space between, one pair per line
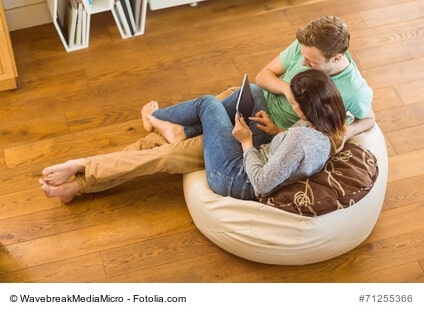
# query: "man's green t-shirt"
357, 95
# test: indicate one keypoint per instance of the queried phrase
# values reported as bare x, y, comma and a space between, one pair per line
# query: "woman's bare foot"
58, 174
147, 111
65, 192
173, 133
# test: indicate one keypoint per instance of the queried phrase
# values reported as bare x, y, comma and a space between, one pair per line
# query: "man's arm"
360, 125
269, 78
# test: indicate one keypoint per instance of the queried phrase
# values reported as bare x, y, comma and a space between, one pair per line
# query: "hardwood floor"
70, 105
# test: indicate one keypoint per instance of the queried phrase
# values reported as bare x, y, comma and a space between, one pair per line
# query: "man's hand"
242, 133
265, 124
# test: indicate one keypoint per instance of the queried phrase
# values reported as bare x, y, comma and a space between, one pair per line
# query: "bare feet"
66, 192
146, 112
173, 133
58, 174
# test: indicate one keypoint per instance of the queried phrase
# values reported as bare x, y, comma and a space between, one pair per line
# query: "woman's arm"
242, 133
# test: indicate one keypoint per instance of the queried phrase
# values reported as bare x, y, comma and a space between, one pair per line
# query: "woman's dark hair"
321, 103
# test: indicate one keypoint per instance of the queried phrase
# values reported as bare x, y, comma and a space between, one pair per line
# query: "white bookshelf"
130, 21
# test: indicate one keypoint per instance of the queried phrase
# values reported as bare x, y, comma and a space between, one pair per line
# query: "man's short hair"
329, 34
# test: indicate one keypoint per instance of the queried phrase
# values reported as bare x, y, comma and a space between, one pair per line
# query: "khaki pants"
147, 156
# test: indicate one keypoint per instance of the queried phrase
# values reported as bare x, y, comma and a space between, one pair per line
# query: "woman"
234, 166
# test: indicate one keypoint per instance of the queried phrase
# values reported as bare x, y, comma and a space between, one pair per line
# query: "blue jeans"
193, 129
222, 152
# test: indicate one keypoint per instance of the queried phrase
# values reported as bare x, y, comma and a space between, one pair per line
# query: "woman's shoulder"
299, 132
300, 123
303, 131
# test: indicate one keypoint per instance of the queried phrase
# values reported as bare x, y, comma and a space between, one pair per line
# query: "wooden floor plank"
21, 179
371, 57
366, 5
392, 223
2, 161
408, 139
401, 117
406, 165
206, 268
385, 98
92, 239
400, 73
25, 202
394, 14
408, 91
404, 192
300, 16
387, 35
405, 273
87, 268
85, 143
155, 252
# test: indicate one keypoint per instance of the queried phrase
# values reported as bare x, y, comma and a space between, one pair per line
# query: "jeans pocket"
219, 182
236, 186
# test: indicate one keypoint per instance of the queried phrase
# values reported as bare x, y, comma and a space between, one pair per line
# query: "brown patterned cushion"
345, 179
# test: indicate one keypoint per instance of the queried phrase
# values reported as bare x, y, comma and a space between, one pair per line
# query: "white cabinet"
72, 18
161, 4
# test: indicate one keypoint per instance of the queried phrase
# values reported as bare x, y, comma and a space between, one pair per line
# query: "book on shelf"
62, 7
136, 7
85, 27
78, 37
71, 23
122, 18
129, 15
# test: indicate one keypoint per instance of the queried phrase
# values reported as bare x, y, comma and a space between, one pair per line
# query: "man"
322, 45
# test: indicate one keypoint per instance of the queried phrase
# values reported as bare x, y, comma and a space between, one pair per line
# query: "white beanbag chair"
266, 234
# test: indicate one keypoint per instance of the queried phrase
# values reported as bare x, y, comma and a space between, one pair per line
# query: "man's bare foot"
58, 174
65, 192
173, 133
147, 111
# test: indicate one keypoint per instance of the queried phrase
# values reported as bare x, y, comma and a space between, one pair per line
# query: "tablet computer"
244, 105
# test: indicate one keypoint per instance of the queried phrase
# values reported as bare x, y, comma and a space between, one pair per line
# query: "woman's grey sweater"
295, 154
